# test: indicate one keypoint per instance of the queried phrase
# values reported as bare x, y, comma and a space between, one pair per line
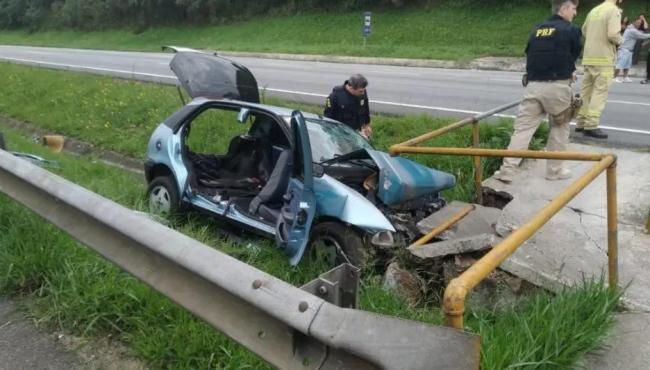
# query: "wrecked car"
294, 176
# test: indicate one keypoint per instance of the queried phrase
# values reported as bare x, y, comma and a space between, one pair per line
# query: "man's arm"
331, 107
638, 35
365, 111
614, 28
576, 43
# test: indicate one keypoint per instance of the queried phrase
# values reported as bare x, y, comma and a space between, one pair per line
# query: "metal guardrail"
288, 327
458, 289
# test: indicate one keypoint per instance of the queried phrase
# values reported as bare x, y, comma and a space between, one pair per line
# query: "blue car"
298, 177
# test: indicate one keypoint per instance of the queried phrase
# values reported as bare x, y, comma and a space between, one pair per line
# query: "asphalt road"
392, 89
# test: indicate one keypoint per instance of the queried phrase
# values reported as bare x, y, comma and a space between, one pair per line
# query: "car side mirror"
242, 116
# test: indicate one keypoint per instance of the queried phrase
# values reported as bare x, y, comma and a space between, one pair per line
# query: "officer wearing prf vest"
602, 30
552, 50
348, 103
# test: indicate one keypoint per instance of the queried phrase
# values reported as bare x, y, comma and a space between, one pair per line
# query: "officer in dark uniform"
552, 50
348, 103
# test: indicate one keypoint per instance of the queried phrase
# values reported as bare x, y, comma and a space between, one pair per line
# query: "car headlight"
383, 239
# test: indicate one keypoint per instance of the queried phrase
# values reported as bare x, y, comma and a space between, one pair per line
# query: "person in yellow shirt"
602, 32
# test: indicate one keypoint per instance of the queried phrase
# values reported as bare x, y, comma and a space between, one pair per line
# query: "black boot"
595, 133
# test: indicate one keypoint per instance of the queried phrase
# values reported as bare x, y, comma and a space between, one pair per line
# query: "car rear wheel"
163, 196
337, 243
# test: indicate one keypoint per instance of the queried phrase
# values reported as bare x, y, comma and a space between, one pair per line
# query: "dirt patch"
74, 146
100, 354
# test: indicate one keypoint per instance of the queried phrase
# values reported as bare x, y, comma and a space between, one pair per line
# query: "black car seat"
269, 200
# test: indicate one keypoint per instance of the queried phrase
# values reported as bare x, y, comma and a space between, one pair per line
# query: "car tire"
342, 244
163, 196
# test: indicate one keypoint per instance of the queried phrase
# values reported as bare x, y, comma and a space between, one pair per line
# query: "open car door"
297, 213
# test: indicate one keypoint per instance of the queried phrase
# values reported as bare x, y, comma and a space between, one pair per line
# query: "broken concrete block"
455, 246
479, 221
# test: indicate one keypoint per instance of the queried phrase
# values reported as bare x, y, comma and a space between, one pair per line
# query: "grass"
73, 289
120, 115
454, 30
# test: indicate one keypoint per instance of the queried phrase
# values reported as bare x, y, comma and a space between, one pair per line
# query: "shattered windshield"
332, 139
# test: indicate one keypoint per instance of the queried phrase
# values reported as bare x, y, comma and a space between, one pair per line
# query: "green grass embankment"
444, 31
75, 290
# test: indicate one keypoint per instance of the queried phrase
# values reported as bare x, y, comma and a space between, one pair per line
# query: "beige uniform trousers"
542, 98
595, 88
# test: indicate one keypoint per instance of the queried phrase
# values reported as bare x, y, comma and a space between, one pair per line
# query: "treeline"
101, 14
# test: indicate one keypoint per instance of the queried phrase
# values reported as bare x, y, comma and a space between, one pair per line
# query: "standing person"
626, 50
647, 70
624, 23
348, 103
644, 23
552, 50
602, 35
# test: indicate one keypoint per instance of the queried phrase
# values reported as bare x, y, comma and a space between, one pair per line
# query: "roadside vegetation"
443, 29
73, 289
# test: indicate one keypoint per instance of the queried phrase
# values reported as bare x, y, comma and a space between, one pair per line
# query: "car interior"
252, 174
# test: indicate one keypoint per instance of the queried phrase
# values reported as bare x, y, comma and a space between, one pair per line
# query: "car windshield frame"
331, 139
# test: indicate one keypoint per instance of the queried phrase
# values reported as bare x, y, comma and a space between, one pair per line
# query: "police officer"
552, 50
348, 103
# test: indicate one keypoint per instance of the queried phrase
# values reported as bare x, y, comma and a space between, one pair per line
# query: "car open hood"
401, 179
209, 76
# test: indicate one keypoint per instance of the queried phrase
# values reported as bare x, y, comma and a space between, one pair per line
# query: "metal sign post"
367, 17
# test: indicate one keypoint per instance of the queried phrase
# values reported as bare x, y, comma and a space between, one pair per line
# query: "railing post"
612, 226
478, 169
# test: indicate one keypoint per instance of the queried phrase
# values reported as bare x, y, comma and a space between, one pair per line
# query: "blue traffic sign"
367, 18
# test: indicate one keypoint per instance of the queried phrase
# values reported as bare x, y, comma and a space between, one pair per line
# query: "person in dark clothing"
552, 50
348, 104
647, 70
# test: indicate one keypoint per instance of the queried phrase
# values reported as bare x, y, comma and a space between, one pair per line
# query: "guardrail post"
612, 226
478, 169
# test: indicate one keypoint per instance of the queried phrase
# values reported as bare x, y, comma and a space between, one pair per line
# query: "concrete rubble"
403, 282
474, 232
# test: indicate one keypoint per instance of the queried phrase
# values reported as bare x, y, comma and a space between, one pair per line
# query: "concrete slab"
479, 221
627, 346
573, 244
455, 246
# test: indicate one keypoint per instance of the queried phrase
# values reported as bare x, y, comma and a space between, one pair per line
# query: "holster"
576, 104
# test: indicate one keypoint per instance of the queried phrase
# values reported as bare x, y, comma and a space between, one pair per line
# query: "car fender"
401, 179
337, 200
165, 148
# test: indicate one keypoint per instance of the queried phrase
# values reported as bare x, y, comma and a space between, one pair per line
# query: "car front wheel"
337, 243
163, 196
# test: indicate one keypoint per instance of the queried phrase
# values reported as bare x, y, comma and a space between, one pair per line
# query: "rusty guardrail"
458, 289
476, 141
285, 325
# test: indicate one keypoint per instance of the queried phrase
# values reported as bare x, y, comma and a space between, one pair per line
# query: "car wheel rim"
160, 200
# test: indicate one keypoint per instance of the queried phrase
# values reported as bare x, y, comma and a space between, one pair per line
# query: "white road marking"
442, 109
629, 102
38, 62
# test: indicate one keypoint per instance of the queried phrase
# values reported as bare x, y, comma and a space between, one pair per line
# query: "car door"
297, 213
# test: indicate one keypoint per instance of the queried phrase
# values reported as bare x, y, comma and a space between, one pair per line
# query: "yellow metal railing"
460, 287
